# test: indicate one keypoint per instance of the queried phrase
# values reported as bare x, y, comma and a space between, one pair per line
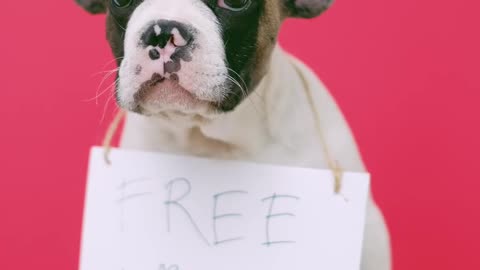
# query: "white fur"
274, 125
205, 76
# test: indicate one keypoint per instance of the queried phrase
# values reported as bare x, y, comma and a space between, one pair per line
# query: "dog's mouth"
163, 93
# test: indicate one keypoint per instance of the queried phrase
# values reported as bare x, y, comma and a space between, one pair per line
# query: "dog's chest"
300, 151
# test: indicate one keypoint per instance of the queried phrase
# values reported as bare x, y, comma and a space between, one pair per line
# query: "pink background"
404, 72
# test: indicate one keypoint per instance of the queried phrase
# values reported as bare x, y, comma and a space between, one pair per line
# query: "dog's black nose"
164, 32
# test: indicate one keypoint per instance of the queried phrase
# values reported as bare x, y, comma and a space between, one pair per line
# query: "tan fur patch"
268, 30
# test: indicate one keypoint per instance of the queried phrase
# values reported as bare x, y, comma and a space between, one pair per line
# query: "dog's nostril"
154, 54
174, 77
178, 39
164, 39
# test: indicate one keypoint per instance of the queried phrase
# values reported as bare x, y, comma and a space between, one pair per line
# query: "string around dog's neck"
333, 164
111, 131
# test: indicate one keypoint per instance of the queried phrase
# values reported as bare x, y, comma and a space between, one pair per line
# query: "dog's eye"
234, 5
122, 3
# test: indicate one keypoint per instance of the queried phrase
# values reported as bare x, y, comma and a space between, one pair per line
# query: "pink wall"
405, 74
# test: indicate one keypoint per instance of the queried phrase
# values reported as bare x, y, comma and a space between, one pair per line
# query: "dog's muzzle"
174, 58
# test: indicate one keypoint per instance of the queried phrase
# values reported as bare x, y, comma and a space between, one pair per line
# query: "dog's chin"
160, 97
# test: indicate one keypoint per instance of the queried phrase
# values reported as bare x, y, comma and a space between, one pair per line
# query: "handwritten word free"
277, 207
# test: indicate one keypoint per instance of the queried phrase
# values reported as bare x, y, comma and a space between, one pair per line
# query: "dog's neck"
264, 116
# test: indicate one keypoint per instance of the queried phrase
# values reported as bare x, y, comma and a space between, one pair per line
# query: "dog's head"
193, 56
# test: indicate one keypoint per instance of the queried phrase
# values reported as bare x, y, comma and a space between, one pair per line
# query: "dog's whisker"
114, 59
100, 72
109, 70
112, 85
246, 90
98, 95
240, 77
112, 72
108, 74
244, 93
246, 86
241, 85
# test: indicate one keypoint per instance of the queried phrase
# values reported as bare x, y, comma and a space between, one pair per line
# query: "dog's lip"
166, 90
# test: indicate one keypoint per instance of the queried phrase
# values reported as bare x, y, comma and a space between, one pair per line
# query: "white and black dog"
207, 78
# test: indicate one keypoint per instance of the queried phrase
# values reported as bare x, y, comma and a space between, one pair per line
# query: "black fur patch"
240, 35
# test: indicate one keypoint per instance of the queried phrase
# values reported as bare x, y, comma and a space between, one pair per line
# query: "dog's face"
193, 56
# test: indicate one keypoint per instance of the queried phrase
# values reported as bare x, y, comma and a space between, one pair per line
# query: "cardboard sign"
150, 211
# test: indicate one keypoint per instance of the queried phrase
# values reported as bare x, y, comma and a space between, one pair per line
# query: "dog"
207, 78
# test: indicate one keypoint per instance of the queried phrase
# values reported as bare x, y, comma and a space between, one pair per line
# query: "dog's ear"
306, 8
93, 6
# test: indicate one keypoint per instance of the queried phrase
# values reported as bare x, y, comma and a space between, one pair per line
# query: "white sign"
150, 211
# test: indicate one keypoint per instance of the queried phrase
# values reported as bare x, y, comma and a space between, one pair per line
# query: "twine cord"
333, 164
112, 129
